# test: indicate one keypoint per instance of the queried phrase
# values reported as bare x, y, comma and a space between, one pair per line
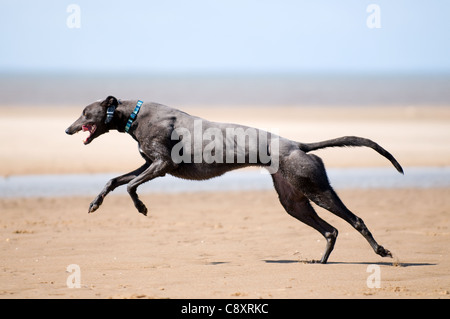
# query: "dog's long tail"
351, 141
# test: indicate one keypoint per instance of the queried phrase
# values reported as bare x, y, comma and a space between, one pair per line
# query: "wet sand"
223, 245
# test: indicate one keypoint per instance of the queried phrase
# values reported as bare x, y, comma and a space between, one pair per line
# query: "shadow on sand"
383, 263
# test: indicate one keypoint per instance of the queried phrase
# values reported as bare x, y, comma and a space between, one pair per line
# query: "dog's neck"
121, 115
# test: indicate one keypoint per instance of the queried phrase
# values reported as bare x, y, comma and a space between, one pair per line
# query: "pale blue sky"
225, 35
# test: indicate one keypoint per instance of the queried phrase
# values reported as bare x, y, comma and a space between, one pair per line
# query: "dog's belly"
204, 171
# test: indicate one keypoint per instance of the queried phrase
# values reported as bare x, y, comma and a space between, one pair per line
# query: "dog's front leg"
113, 184
156, 169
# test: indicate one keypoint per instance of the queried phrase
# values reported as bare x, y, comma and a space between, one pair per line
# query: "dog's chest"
141, 151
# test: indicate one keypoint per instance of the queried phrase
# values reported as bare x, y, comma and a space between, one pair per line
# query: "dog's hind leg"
298, 206
312, 181
329, 200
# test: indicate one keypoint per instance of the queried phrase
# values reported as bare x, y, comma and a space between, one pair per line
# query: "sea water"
340, 178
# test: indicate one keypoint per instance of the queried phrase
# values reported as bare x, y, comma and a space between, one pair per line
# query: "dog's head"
95, 119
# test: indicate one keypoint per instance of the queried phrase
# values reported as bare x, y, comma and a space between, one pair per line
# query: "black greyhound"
298, 177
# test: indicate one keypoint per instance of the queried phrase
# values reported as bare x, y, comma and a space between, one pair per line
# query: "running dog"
298, 177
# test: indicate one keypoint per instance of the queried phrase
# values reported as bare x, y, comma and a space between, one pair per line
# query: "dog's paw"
93, 207
142, 208
383, 252
95, 204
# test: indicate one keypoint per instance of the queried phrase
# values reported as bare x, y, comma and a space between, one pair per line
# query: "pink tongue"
85, 128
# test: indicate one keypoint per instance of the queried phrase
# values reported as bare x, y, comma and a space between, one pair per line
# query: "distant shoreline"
224, 89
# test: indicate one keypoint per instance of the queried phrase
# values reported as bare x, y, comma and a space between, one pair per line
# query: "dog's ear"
110, 103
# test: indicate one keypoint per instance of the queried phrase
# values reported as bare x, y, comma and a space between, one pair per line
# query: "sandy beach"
224, 244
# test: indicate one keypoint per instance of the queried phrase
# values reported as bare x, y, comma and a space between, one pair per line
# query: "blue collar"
133, 115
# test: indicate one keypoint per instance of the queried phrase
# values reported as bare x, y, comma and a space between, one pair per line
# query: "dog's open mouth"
91, 129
